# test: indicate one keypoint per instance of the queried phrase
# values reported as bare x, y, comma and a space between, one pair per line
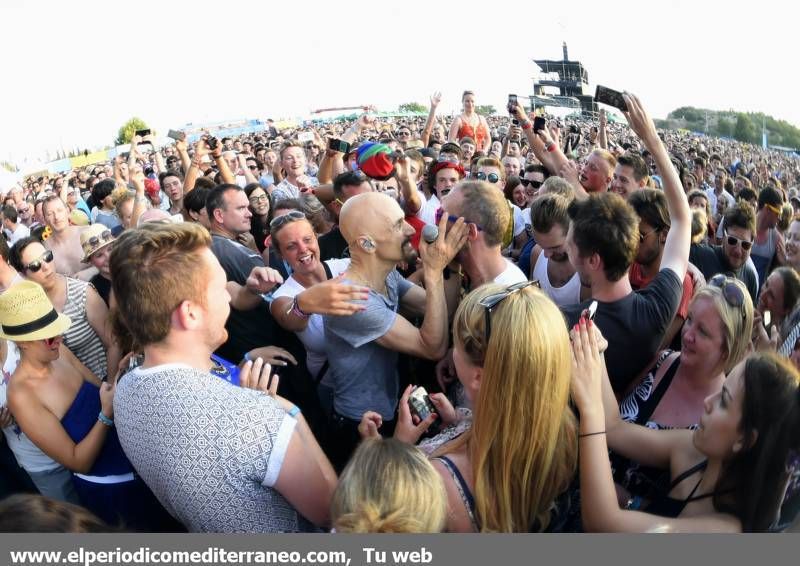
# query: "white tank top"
569, 294
29, 457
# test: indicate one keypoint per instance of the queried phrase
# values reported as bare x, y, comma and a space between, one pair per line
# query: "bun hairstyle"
389, 487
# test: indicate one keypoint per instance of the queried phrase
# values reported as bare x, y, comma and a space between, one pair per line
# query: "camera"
421, 406
212, 142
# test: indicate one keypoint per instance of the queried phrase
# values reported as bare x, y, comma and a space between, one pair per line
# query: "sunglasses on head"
491, 177
534, 184
490, 302
732, 292
280, 221
734, 241
35, 266
96, 240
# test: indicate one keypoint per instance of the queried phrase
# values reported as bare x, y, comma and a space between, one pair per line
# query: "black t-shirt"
102, 286
246, 329
711, 261
634, 326
333, 246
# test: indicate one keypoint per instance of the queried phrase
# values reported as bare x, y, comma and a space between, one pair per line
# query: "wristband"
293, 412
105, 420
527, 125
296, 310
591, 434
551, 148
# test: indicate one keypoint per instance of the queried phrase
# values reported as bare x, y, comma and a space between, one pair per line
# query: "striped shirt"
81, 338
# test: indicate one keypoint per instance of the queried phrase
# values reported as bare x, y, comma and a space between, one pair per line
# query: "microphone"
430, 233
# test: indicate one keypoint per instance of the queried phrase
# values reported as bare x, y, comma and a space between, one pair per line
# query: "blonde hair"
736, 328
389, 487
523, 442
699, 225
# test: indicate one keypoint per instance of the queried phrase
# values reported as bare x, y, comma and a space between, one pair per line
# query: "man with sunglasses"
733, 256
768, 244
534, 177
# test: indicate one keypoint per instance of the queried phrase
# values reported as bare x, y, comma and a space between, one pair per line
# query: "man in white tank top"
551, 266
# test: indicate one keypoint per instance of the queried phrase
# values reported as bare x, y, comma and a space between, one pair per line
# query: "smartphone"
611, 97
512, 103
336, 144
592, 310
142, 133
304, 137
539, 124
767, 319
176, 135
145, 146
420, 404
212, 142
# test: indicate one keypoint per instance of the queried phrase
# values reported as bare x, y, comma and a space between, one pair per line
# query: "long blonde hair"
523, 443
389, 487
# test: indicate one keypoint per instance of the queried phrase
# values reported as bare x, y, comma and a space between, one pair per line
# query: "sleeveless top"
637, 408
667, 506
558, 512
479, 134
28, 455
569, 294
762, 254
79, 420
81, 338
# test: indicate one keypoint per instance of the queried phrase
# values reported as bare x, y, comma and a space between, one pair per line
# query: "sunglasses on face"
732, 293
491, 177
280, 221
643, 237
451, 218
534, 184
403, 134
35, 266
490, 302
734, 241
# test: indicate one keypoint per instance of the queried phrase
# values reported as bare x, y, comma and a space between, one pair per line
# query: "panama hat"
95, 238
26, 314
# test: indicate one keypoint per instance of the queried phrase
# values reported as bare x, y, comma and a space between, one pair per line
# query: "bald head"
368, 214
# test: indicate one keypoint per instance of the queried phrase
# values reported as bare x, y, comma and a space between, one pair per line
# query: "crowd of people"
462, 324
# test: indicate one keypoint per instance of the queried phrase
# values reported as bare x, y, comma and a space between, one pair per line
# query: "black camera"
212, 142
421, 406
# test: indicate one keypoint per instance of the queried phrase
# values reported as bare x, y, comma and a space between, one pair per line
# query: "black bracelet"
591, 434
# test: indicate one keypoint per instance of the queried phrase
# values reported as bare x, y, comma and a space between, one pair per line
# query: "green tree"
125, 134
724, 128
485, 110
745, 131
412, 107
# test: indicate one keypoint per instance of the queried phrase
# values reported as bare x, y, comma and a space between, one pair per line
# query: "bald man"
362, 348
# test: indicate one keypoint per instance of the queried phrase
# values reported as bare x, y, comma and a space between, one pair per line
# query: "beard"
410, 255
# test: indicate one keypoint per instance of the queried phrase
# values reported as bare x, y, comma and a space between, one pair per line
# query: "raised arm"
676, 248
436, 98
602, 135
430, 341
408, 188
600, 510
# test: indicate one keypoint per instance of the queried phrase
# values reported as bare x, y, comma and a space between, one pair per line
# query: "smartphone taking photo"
611, 97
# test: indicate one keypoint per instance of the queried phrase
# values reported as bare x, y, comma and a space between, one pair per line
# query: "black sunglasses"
732, 293
534, 184
280, 221
35, 266
490, 302
491, 177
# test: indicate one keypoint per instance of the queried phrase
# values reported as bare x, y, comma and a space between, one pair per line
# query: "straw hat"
27, 314
92, 240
